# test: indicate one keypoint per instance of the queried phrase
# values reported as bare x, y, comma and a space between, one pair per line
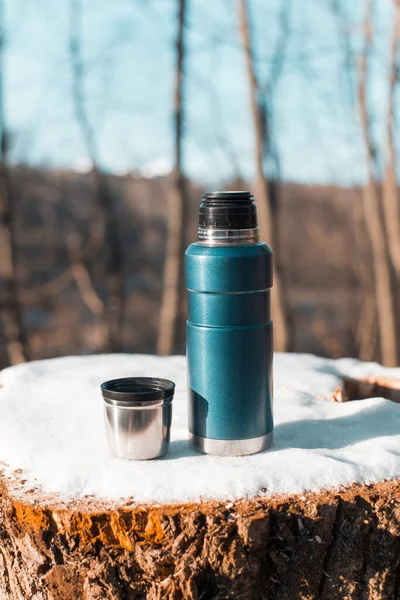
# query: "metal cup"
138, 414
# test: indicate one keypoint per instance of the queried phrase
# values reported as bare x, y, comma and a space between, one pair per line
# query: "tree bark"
390, 191
174, 259
327, 545
12, 328
265, 213
372, 215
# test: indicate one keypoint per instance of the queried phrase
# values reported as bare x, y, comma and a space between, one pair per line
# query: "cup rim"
138, 389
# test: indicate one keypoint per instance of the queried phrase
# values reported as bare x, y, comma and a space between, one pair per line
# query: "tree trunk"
11, 325
173, 267
114, 305
365, 330
13, 331
265, 214
383, 290
390, 192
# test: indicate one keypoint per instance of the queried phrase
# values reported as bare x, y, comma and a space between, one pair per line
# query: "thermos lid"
227, 195
228, 210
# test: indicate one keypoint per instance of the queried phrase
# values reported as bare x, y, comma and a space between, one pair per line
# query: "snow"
51, 427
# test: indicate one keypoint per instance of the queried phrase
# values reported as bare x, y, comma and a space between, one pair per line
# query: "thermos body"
229, 347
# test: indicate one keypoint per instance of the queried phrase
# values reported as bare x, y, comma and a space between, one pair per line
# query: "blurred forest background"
116, 117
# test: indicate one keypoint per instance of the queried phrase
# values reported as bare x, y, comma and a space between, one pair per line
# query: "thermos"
229, 329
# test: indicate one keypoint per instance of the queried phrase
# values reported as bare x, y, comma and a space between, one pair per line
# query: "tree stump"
318, 516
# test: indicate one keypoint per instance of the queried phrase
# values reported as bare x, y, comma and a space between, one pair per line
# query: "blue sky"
129, 59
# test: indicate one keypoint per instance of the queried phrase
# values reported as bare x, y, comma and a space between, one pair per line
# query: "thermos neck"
222, 237
228, 217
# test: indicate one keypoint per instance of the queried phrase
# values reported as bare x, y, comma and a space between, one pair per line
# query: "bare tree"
372, 213
173, 267
113, 313
266, 103
390, 192
15, 338
264, 205
365, 328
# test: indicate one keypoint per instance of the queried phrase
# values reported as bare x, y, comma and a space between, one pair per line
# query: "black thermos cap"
228, 210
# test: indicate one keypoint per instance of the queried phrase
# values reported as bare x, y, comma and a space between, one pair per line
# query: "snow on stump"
318, 516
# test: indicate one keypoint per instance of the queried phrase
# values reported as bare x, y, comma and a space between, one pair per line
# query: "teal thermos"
229, 329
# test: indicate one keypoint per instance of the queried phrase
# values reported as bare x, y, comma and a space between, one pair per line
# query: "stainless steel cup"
138, 415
